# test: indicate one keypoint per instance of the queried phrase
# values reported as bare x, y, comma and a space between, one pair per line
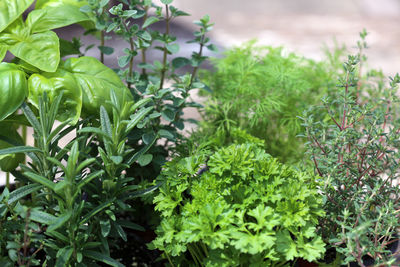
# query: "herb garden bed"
295, 161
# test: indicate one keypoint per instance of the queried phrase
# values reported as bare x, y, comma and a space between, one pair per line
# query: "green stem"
8, 180
132, 47
102, 44
164, 69
194, 72
169, 259
204, 249
24, 141
144, 60
194, 255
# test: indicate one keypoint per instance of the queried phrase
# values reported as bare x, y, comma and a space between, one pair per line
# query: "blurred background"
305, 26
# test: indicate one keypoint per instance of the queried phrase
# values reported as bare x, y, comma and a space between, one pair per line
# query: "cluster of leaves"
77, 192
38, 68
71, 202
242, 208
356, 152
85, 81
262, 90
161, 80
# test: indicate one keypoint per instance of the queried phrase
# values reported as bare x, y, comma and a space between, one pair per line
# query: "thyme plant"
356, 154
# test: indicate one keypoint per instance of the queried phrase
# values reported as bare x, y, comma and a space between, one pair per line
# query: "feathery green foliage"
262, 90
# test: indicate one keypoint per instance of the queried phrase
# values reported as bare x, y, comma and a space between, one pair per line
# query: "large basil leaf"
41, 50
3, 51
53, 17
11, 10
53, 84
96, 81
13, 89
54, 3
9, 137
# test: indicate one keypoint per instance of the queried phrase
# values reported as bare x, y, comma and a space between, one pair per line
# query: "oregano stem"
8, 180
102, 44
132, 48
144, 50
197, 67
165, 54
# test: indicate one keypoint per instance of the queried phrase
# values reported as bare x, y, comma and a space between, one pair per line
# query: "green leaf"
105, 227
154, 115
10, 10
103, 3
106, 49
120, 231
285, 245
63, 256
180, 62
124, 60
3, 51
59, 222
18, 149
129, 13
31, 117
168, 115
102, 258
145, 159
13, 255
173, 48
58, 235
140, 103
52, 17
105, 122
96, 210
166, 2
149, 21
111, 27
313, 250
117, 159
131, 225
9, 137
40, 179
148, 137
85, 9
137, 117
60, 186
96, 82
53, 84
41, 50
94, 130
141, 152
13, 90
42, 217
53, 3
212, 48
144, 35
166, 134
90, 178
23, 191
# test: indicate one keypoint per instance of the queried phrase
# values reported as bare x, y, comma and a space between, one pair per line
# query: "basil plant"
37, 68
